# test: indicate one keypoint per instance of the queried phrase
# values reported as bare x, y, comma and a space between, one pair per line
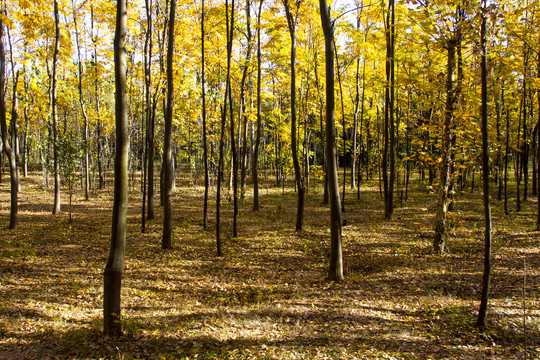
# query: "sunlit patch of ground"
267, 297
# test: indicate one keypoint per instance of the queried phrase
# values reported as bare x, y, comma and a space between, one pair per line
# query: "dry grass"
267, 297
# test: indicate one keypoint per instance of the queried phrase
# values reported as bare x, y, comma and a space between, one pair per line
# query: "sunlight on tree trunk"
482, 313
115, 264
336, 257
5, 141
439, 243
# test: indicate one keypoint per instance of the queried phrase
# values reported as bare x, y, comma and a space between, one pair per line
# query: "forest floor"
267, 297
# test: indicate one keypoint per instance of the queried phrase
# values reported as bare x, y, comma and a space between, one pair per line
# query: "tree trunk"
389, 131
101, 183
115, 264
56, 206
336, 256
344, 137
481, 321
147, 107
5, 141
538, 156
234, 149
229, 31
166, 242
299, 179
439, 243
255, 158
506, 157
205, 142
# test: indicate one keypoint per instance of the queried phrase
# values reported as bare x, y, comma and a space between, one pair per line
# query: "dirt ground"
267, 297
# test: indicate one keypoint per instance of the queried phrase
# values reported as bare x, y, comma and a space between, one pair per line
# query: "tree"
166, 242
229, 21
83, 110
389, 124
70, 153
13, 173
54, 105
481, 321
336, 256
204, 130
299, 179
115, 264
255, 165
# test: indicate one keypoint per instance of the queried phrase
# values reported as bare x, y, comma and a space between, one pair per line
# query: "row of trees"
202, 101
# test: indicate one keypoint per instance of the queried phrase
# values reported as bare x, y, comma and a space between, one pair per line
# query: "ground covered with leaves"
267, 297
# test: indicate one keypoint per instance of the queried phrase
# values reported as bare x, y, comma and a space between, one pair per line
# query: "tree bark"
166, 242
205, 142
115, 264
389, 131
229, 30
86, 170
538, 155
439, 242
255, 165
5, 141
54, 105
291, 21
336, 256
482, 313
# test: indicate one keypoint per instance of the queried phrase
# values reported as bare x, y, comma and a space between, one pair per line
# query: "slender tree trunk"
83, 108
229, 30
115, 264
336, 256
506, 157
344, 137
439, 243
255, 158
299, 180
7, 148
234, 149
205, 142
389, 132
56, 206
481, 321
148, 107
167, 242
99, 140
321, 120
538, 155
518, 157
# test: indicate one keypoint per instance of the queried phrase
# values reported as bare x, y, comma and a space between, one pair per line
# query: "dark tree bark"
538, 155
229, 29
147, 108
205, 143
99, 140
506, 151
242, 114
54, 105
481, 321
299, 179
439, 242
115, 264
5, 140
234, 149
356, 103
344, 133
86, 170
389, 131
336, 256
166, 242
255, 165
